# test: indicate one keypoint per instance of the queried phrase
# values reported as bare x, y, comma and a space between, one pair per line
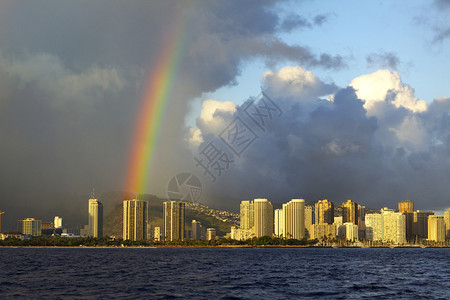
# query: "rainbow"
152, 108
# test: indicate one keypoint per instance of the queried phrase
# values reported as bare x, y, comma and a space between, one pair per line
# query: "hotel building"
309, 219
436, 228
135, 219
279, 223
174, 219
447, 223
350, 212
246, 214
394, 227
294, 219
374, 227
30, 226
324, 212
263, 217
95, 218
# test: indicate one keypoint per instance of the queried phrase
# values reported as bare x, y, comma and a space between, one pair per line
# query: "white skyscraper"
174, 219
95, 218
263, 217
135, 219
294, 219
374, 227
279, 223
57, 222
394, 227
436, 228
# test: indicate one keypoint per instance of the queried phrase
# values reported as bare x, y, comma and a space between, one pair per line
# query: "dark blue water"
252, 273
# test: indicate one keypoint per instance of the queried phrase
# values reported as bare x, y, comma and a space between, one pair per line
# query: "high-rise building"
246, 214
240, 234
174, 220
279, 223
351, 231
374, 227
447, 223
210, 234
263, 217
294, 219
319, 231
406, 206
394, 227
135, 219
157, 234
362, 213
350, 212
420, 224
197, 230
1, 213
95, 218
436, 228
58, 222
324, 212
30, 226
309, 219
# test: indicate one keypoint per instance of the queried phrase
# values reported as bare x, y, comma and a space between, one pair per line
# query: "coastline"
224, 246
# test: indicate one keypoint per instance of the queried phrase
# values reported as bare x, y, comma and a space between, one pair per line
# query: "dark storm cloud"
339, 150
383, 60
72, 75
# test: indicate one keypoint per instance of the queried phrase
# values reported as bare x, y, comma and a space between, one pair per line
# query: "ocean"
224, 273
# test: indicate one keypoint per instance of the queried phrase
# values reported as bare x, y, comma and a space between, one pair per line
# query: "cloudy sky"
361, 91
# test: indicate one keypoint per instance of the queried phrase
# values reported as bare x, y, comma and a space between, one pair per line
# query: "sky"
358, 91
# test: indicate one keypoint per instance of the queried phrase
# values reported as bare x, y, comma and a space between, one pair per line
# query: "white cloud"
214, 117
294, 81
383, 86
411, 132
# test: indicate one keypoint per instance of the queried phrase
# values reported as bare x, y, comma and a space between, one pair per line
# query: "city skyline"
351, 117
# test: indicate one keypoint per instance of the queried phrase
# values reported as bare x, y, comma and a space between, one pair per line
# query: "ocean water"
219, 273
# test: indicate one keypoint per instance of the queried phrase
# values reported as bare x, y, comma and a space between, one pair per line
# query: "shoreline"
225, 246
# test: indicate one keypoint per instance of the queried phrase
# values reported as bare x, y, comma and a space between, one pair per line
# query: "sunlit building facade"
279, 223
351, 231
135, 219
210, 234
324, 212
246, 214
30, 226
406, 206
319, 231
95, 221
436, 228
309, 218
350, 212
174, 219
263, 217
58, 222
394, 227
294, 219
374, 227
420, 224
447, 223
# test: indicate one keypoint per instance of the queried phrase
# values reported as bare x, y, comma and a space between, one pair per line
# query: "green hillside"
113, 216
